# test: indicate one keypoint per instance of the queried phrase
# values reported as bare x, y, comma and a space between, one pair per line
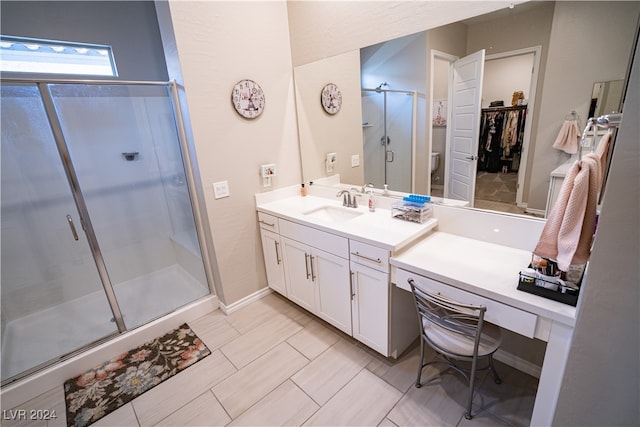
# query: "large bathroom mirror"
569, 47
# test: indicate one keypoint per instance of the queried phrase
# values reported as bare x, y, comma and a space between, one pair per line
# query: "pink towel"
568, 137
568, 232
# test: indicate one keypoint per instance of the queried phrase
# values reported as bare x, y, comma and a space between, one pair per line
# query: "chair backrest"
445, 313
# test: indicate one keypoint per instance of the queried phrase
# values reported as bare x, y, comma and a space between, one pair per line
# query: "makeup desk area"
483, 269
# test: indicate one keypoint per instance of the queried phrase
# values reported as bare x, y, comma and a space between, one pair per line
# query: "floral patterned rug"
107, 387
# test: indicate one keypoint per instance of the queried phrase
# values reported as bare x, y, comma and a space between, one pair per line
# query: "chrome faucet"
348, 199
364, 187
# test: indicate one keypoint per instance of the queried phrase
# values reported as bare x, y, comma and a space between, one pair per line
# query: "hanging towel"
568, 232
568, 137
602, 151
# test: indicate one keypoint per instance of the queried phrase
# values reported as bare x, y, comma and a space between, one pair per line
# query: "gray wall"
129, 27
601, 383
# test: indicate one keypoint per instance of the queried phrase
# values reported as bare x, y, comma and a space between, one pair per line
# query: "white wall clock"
331, 98
248, 98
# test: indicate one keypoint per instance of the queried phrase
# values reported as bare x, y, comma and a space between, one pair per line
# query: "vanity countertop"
479, 267
377, 228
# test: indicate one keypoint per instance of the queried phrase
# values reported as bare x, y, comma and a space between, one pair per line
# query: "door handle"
306, 263
471, 157
389, 156
72, 227
353, 294
277, 253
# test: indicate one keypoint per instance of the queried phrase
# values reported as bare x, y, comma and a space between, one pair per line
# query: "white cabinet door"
273, 261
300, 288
330, 274
370, 307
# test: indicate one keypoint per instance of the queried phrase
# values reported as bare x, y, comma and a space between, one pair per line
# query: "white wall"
324, 133
504, 76
219, 43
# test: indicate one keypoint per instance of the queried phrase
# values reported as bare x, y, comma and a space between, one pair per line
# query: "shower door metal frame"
72, 179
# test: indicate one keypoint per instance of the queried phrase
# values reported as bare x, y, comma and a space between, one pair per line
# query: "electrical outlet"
220, 189
267, 171
355, 160
331, 161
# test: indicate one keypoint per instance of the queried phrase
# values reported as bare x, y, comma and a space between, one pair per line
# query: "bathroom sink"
335, 214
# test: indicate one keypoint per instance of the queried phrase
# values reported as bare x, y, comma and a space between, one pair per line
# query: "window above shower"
37, 56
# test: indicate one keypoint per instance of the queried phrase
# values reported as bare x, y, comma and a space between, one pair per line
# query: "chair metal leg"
472, 383
496, 377
420, 363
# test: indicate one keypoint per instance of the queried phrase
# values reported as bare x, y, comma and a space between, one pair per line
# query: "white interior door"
462, 139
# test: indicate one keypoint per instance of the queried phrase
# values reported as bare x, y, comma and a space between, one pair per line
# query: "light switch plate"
355, 160
220, 189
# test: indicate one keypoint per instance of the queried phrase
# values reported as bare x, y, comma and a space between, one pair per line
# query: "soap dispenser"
372, 201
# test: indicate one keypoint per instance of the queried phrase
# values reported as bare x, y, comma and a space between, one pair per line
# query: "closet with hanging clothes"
501, 137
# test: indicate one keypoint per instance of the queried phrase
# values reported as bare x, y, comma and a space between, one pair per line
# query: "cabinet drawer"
369, 255
327, 242
268, 222
506, 316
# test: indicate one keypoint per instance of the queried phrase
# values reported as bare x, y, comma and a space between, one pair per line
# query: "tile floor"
274, 364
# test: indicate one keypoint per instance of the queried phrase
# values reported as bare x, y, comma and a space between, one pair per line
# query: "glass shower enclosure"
389, 135
98, 228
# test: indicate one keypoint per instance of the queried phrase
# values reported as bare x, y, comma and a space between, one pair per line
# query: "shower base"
45, 335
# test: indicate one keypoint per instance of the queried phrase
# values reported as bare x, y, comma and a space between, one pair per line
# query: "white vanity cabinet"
272, 250
316, 268
370, 295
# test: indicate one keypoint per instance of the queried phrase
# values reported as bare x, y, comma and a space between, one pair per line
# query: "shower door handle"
390, 156
72, 227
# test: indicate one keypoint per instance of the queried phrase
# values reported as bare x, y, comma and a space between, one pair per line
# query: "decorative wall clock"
331, 98
248, 98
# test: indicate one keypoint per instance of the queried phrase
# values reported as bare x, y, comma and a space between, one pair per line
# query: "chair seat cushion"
462, 345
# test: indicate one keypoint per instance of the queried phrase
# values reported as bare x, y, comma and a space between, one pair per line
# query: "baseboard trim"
235, 306
518, 363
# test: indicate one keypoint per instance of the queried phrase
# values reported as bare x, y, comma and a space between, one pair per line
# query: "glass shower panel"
53, 302
399, 149
124, 144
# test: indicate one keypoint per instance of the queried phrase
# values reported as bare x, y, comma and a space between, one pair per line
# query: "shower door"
388, 138
53, 301
123, 141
